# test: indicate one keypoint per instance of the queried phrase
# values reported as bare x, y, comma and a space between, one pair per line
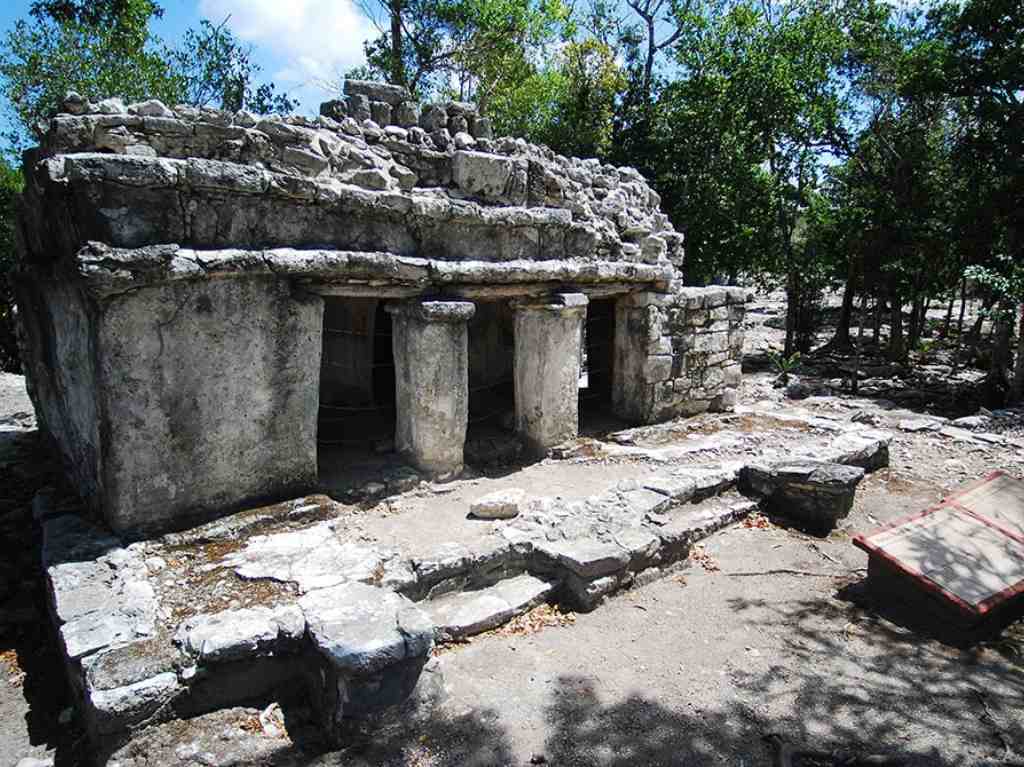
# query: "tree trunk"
897, 350
963, 309
841, 340
949, 315
1017, 390
397, 62
876, 329
855, 383
792, 308
914, 331
997, 382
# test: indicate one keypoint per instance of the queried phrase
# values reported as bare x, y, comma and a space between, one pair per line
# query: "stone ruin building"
203, 294
212, 302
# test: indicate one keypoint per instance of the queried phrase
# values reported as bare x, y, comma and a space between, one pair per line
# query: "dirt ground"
767, 631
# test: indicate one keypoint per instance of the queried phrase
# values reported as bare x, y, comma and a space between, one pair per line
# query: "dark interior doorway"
356, 419
596, 368
490, 434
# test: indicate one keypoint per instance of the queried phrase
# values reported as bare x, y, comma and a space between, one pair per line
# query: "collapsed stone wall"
174, 265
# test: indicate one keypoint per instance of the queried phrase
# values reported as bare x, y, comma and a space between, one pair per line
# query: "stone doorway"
490, 433
356, 417
597, 368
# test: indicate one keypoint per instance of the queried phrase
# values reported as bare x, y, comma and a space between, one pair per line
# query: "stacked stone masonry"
175, 263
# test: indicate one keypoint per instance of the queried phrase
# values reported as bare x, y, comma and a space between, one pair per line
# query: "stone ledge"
108, 269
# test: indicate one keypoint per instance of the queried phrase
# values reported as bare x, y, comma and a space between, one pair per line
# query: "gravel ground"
767, 631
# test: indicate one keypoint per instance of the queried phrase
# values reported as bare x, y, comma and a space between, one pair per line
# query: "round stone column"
430, 340
548, 334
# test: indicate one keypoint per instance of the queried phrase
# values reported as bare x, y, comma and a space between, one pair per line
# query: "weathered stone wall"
681, 353
58, 327
208, 393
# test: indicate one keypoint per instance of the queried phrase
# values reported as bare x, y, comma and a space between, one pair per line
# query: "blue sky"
300, 44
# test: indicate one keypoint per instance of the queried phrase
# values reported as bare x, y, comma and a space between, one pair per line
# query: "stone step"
463, 614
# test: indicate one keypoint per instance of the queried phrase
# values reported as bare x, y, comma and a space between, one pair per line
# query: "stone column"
547, 369
429, 339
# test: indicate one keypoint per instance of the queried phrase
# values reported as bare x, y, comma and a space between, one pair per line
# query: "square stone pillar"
430, 340
548, 334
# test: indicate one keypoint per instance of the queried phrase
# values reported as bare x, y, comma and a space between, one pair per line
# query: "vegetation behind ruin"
812, 144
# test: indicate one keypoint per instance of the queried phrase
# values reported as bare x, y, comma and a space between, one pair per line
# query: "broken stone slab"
111, 711
868, 449
646, 500
392, 95
588, 558
710, 480
813, 494
373, 645
920, 424
972, 422
236, 634
224, 737
501, 504
678, 488
316, 557
464, 614
678, 531
100, 594
586, 594
458, 567
361, 629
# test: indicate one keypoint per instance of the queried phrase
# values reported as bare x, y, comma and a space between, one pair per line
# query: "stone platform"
311, 600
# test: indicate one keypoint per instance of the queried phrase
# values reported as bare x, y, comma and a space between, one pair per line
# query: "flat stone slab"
361, 629
235, 634
464, 614
586, 557
317, 557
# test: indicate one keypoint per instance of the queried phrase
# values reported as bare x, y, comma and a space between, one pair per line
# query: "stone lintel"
560, 303
433, 310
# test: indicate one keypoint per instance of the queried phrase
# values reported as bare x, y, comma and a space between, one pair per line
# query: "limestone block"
377, 91
658, 368
501, 504
586, 557
489, 177
653, 249
481, 128
433, 117
815, 494
150, 108
335, 109
380, 112
407, 114
711, 342
237, 634
358, 107
373, 644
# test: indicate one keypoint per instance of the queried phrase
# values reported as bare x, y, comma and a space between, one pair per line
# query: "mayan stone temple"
220, 310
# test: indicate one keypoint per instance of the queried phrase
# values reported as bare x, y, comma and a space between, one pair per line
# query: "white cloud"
311, 40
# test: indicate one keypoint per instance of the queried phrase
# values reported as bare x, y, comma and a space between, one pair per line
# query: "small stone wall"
681, 353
